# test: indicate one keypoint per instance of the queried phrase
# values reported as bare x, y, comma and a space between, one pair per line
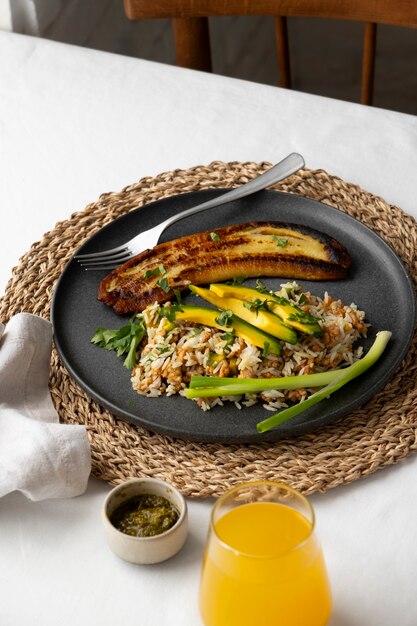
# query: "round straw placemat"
382, 432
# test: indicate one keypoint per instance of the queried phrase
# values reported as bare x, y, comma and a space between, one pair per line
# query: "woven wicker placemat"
381, 433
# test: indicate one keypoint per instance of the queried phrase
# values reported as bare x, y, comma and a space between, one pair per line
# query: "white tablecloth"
75, 123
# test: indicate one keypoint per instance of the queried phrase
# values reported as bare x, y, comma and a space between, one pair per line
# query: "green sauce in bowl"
145, 515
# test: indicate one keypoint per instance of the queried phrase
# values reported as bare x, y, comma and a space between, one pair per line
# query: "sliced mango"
290, 314
209, 317
261, 319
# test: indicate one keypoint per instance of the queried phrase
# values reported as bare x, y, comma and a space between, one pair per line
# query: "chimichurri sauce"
145, 515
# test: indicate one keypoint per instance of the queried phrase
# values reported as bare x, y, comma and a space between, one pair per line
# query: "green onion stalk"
331, 381
209, 386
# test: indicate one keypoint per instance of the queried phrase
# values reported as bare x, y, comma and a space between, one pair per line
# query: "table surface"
75, 123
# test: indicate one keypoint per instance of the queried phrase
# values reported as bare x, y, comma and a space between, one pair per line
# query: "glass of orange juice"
263, 564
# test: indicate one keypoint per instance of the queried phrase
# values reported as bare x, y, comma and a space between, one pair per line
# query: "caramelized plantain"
252, 249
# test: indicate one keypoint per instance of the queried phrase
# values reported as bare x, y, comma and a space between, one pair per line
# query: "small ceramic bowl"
145, 550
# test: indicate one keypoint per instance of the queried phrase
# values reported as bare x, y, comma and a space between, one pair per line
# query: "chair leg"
192, 43
368, 63
281, 33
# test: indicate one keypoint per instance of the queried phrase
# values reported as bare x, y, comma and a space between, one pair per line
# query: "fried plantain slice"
252, 249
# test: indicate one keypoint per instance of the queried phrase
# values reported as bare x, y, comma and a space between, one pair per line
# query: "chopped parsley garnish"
302, 300
199, 268
280, 241
260, 285
265, 351
157, 271
228, 336
169, 311
225, 318
301, 316
249, 305
163, 284
293, 317
229, 339
214, 237
256, 304
150, 273
125, 340
237, 280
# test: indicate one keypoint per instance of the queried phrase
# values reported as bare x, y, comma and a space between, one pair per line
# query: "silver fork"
108, 259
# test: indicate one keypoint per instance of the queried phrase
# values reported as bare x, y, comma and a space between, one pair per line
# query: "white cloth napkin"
38, 455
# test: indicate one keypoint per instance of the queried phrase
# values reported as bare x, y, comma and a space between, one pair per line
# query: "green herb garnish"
125, 340
150, 273
169, 311
280, 241
225, 318
256, 304
157, 271
229, 339
214, 237
163, 284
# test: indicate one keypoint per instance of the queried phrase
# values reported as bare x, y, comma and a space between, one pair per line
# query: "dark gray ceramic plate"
377, 283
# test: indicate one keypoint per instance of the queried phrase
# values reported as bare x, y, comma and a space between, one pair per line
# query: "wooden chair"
191, 29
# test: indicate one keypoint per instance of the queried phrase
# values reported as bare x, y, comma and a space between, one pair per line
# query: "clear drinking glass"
263, 564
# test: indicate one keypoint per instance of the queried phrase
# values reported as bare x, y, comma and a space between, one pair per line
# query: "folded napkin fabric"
38, 456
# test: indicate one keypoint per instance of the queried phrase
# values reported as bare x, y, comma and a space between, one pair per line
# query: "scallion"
344, 377
331, 381
210, 386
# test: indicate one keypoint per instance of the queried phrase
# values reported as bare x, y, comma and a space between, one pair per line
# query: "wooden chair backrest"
191, 30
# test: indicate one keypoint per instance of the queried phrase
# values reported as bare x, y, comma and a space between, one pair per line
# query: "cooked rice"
177, 350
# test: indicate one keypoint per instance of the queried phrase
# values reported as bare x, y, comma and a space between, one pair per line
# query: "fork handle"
292, 163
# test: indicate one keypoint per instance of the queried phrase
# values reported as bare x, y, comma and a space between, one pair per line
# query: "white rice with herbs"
173, 351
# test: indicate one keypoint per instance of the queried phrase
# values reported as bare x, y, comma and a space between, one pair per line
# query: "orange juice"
263, 566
